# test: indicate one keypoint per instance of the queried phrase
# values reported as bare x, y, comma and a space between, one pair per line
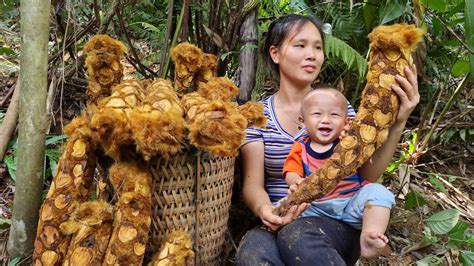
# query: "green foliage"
442, 222
392, 10
430, 260
339, 50
8, 9
413, 200
460, 68
469, 26
406, 152
52, 154
435, 181
467, 257
452, 134
5, 223
14, 261
444, 229
6, 50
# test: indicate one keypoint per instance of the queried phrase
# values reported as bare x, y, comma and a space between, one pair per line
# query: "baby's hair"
319, 88
280, 29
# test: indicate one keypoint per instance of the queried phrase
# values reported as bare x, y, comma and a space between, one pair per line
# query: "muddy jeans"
306, 241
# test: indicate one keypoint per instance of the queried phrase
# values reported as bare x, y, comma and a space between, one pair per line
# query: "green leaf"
369, 10
460, 68
249, 46
453, 10
53, 154
54, 139
467, 257
392, 11
6, 50
437, 5
429, 260
147, 26
452, 178
338, 49
11, 166
5, 223
413, 200
457, 233
469, 27
451, 42
442, 222
435, 181
14, 261
462, 134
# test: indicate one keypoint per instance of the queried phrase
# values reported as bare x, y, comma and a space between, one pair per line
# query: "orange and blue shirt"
303, 160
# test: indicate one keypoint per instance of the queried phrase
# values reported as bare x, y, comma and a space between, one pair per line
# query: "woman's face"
300, 57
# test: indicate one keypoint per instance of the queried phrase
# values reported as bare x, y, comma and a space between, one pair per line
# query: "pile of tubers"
131, 122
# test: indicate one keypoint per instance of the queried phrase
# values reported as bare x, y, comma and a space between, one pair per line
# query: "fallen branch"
9, 121
7, 96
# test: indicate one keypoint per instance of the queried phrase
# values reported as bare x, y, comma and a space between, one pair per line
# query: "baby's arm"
293, 178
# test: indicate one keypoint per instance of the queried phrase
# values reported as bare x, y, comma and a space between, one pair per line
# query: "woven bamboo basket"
192, 191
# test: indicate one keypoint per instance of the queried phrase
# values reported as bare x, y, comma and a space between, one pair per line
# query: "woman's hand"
275, 222
346, 128
407, 91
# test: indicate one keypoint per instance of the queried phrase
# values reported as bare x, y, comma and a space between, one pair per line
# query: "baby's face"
325, 116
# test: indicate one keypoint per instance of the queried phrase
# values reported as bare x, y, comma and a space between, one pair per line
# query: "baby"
355, 201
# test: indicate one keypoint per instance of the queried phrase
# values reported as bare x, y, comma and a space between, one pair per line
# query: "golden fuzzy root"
102, 42
104, 69
193, 104
207, 69
90, 225
71, 185
218, 88
219, 130
110, 121
254, 114
187, 59
158, 125
392, 46
176, 250
130, 177
397, 36
132, 183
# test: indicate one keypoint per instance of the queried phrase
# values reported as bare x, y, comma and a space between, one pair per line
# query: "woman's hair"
279, 30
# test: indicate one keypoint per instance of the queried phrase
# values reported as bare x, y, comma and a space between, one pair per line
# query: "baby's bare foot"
372, 244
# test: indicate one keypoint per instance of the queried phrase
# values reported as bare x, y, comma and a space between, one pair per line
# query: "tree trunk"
248, 56
32, 125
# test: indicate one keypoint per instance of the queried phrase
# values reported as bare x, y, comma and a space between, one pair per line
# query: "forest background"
431, 172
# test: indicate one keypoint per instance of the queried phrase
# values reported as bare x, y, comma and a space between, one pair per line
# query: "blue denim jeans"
305, 241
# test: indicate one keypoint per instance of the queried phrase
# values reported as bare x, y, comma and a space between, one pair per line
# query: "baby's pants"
351, 210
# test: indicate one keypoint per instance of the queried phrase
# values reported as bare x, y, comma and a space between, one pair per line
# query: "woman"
294, 50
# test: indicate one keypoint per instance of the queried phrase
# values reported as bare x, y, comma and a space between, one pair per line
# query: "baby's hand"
292, 188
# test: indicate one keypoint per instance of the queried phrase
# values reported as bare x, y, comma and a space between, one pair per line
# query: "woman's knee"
258, 246
310, 239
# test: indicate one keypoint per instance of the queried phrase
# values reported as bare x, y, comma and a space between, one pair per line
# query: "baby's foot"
372, 244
